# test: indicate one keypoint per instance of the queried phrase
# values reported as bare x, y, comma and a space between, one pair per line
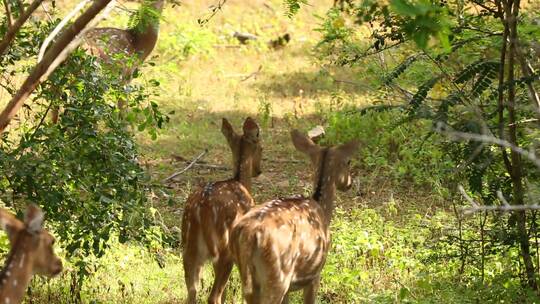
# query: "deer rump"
211, 216
283, 242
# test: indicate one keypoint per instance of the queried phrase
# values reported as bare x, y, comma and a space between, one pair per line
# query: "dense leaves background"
84, 170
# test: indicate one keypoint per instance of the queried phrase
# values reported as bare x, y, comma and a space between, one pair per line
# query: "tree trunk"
516, 173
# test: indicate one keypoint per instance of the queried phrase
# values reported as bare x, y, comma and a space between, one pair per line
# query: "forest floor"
204, 75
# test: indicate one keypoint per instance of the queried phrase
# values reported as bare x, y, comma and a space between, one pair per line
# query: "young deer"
138, 41
116, 47
282, 245
210, 211
31, 253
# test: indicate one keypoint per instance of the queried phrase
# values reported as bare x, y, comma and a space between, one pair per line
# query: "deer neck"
145, 33
15, 276
242, 170
325, 188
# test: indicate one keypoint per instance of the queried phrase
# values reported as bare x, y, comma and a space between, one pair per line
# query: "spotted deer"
139, 41
124, 50
31, 253
211, 210
281, 246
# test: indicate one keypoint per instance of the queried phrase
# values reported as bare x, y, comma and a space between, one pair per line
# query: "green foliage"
84, 170
293, 6
145, 17
396, 72
400, 151
422, 20
376, 259
265, 113
455, 87
333, 28
420, 95
188, 41
480, 66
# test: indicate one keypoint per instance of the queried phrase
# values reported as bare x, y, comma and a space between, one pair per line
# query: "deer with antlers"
211, 210
281, 246
124, 50
31, 253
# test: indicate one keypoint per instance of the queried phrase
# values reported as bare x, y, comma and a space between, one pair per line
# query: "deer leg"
55, 114
222, 271
251, 290
192, 271
272, 295
310, 291
274, 291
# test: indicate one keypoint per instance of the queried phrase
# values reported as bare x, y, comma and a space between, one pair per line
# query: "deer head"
246, 150
331, 167
31, 253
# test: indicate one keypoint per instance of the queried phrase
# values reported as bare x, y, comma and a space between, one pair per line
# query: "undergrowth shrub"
84, 170
188, 40
402, 151
375, 259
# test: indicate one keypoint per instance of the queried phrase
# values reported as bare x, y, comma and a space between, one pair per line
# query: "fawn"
124, 50
211, 210
281, 246
31, 253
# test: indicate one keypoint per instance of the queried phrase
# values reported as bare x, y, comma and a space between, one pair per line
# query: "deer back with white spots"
31, 253
114, 45
281, 246
211, 210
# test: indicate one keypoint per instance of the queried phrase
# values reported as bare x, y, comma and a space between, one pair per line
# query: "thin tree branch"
12, 31
187, 167
487, 8
214, 9
46, 11
43, 68
527, 72
500, 208
8, 13
446, 130
505, 207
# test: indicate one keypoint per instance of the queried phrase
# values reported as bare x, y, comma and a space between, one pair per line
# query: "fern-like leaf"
442, 111
400, 69
477, 67
421, 94
485, 79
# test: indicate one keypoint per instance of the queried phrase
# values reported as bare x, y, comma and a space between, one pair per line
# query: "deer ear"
303, 143
348, 149
251, 128
33, 218
10, 224
228, 131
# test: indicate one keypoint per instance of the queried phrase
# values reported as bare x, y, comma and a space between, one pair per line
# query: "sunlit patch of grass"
126, 274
